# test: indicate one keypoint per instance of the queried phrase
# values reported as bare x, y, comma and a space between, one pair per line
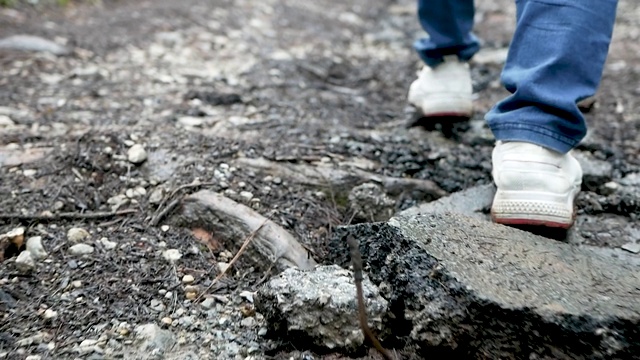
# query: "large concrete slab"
463, 286
475, 202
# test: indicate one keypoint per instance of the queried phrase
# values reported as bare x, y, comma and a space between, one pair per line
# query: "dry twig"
66, 216
246, 243
356, 260
162, 211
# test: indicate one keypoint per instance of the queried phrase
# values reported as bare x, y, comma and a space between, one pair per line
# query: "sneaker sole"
444, 105
534, 208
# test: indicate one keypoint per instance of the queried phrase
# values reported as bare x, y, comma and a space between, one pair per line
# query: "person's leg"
449, 24
443, 87
556, 59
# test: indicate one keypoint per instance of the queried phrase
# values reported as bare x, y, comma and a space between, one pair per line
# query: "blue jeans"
555, 59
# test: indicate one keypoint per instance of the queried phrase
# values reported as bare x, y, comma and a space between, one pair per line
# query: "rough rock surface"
320, 306
466, 287
370, 202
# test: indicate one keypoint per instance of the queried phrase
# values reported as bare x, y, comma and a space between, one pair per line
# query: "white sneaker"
443, 91
535, 185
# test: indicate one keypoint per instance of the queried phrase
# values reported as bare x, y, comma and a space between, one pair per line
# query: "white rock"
248, 322
17, 232
80, 249
153, 337
117, 201
108, 245
29, 172
172, 255
190, 121
50, 314
247, 295
246, 195
188, 279
136, 192
33, 357
25, 262
77, 234
223, 266
165, 228
34, 246
137, 154
6, 121
156, 195
207, 303
32, 43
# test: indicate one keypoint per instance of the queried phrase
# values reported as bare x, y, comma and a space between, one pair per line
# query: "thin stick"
245, 244
162, 211
356, 260
66, 216
156, 219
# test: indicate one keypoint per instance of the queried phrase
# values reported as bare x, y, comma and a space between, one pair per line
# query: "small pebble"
631, 247
25, 262
29, 172
172, 255
207, 303
187, 279
6, 121
77, 284
157, 305
157, 195
248, 322
108, 245
34, 246
223, 266
165, 228
167, 321
246, 195
137, 154
49, 314
81, 249
77, 234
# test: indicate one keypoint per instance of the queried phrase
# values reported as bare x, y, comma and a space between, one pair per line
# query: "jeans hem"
533, 134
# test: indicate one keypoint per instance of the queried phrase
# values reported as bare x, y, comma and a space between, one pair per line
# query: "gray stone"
476, 202
77, 234
632, 179
137, 154
631, 247
32, 43
6, 121
151, 337
370, 202
461, 283
34, 246
473, 202
595, 173
319, 305
81, 249
25, 262
108, 245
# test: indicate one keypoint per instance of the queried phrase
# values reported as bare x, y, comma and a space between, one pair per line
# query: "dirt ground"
201, 84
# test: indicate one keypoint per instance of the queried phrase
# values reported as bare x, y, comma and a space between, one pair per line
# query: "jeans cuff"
533, 134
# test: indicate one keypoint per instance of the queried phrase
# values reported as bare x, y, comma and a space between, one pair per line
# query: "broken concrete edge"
319, 308
438, 315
